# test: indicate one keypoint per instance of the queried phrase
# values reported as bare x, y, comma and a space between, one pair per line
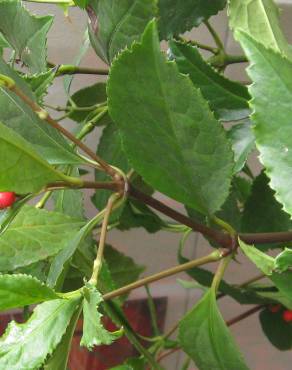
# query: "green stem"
117, 316
89, 126
212, 257
112, 203
220, 272
57, 2
221, 60
224, 225
152, 311
198, 45
215, 36
175, 228
42, 202
233, 59
68, 69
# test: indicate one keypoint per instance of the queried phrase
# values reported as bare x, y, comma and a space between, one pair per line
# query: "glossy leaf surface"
272, 83
195, 159
35, 235
227, 99
205, 338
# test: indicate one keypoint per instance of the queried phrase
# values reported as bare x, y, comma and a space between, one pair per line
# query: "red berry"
275, 308
287, 315
6, 199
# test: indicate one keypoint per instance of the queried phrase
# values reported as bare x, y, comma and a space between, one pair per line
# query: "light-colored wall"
159, 251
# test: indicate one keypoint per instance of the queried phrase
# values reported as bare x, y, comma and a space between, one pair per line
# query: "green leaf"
284, 260
26, 346
26, 33
58, 360
115, 24
136, 214
21, 168
61, 261
259, 19
276, 329
39, 83
70, 201
35, 235
262, 212
86, 97
243, 142
123, 269
110, 149
3, 44
68, 79
23, 290
204, 336
178, 17
272, 83
266, 264
132, 364
18, 116
169, 133
94, 333
228, 99
277, 297
242, 295
81, 3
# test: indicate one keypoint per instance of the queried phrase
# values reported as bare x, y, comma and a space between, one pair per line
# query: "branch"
244, 315
221, 238
43, 115
213, 257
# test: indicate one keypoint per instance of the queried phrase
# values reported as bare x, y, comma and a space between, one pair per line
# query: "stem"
168, 353
118, 317
43, 115
197, 44
107, 185
68, 69
98, 261
42, 202
233, 59
252, 280
224, 225
244, 315
89, 126
57, 2
222, 60
215, 36
221, 238
213, 257
152, 311
220, 272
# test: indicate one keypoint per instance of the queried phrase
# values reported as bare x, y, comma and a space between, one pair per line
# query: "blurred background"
159, 251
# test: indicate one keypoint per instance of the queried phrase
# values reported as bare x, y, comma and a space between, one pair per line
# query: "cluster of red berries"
7, 199
287, 314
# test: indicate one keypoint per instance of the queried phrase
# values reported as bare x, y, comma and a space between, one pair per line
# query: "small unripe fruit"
287, 315
6, 199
